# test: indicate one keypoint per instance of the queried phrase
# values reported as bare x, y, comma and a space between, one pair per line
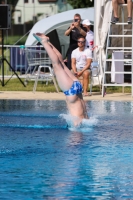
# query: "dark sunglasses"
81, 42
75, 20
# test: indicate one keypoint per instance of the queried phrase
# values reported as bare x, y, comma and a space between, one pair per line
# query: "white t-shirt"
81, 57
90, 39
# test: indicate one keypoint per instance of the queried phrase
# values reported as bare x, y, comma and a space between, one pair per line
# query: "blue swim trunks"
75, 89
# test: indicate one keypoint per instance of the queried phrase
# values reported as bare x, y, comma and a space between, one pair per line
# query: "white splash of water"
85, 126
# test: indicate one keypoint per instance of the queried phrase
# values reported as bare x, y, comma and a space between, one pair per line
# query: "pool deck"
60, 96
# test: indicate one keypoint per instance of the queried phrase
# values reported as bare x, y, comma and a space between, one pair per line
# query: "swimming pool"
41, 159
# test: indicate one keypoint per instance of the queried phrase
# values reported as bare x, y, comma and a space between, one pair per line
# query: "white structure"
102, 17
60, 22
115, 46
103, 12
34, 10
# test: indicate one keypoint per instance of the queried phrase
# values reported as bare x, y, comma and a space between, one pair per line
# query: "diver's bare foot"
40, 37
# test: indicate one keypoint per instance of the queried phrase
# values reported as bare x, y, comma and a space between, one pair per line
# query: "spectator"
81, 62
90, 35
75, 30
115, 9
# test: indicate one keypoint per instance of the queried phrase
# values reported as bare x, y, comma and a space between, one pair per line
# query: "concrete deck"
60, 96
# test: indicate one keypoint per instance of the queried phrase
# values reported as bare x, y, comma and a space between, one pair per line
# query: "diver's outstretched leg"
63, 79
70, 74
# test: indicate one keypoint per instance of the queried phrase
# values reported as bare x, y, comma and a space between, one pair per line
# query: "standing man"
75, 30
81, 62
115, 9
89, 35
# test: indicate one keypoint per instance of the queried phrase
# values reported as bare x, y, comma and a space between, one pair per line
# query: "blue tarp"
18, 59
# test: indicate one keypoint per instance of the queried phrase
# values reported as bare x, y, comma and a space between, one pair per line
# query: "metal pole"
122, 10
95, 28
2, 60
34, 13
66, 5
123, 42
132, 62
24, 16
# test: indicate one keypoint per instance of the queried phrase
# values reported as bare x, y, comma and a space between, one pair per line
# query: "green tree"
81, 3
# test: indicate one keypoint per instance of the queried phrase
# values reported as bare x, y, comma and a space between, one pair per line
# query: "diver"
67, 82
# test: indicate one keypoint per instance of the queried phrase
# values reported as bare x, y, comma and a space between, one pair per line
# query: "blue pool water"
41, 159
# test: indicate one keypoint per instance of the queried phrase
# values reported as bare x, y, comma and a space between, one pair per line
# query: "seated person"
81, 62
115, 9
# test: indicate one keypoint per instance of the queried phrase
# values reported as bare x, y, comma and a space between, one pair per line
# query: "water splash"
85, 126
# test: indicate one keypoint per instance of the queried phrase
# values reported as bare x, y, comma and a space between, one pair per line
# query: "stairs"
123, 51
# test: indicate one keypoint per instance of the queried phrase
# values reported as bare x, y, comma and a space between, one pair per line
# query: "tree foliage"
81, 3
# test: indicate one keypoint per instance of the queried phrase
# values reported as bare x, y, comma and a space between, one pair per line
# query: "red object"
91, 42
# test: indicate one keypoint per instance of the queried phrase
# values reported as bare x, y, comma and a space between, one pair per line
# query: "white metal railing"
125, 60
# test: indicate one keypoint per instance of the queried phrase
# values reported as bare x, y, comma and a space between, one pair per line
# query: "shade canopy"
48, 24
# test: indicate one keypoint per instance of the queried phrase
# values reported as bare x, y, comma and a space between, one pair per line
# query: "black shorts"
125, 1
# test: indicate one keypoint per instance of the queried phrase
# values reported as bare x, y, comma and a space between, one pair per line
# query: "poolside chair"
46, 75
95, 72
